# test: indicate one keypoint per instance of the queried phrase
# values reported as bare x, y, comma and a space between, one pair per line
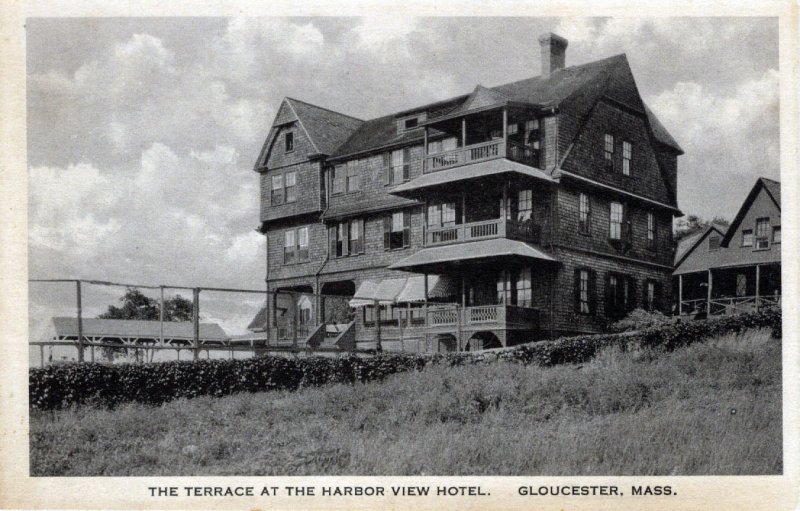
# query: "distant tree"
136, 305
693, 223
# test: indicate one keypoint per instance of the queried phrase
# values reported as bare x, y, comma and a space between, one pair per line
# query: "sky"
143, 132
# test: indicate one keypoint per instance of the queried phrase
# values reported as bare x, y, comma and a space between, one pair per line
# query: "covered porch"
728, 290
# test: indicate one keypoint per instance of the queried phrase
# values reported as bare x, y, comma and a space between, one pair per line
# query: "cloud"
729, 140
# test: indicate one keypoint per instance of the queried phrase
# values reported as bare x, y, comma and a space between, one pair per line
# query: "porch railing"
498, 316
719, 306
481, 152
494, 228
468, 154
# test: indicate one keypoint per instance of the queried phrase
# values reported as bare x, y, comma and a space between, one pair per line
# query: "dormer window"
411, 123
713, 243
289, 141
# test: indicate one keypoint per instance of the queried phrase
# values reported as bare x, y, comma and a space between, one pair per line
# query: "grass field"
710, 408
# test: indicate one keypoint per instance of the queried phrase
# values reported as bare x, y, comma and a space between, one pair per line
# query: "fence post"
80, 320
161, 317
295, 324
196, 321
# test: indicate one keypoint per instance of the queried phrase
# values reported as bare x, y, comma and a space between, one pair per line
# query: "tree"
691, 224
136, 305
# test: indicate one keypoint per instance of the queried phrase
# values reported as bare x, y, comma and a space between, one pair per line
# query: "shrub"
641, 319
59, 386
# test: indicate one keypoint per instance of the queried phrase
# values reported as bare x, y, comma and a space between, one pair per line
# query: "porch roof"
465, 172
437, 258
702, 259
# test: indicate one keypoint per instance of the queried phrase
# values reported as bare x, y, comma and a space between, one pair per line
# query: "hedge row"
59, 386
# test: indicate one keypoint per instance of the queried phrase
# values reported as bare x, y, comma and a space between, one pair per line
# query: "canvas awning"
471, 171
435, 258
403, 290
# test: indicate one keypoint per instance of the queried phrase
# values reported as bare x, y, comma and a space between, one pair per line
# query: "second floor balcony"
483, 151
523, 230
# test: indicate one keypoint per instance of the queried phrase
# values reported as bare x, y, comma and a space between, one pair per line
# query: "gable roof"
576, 88
326, 129
688, 244
773, 190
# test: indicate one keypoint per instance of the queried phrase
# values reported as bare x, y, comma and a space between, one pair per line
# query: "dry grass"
710, 408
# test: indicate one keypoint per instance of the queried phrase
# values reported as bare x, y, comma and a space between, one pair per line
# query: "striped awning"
438, 287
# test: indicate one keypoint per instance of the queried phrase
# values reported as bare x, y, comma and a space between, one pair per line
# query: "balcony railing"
497, 316
495, 228
481, 152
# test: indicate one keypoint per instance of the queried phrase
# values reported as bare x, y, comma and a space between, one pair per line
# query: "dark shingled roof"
575, 87
327, 129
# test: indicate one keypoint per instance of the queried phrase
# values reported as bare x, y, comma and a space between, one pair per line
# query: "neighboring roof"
687, 244
135, 328
481, 169
773, 189
577, 87
259, 322
701, 259
326, 129
484, 249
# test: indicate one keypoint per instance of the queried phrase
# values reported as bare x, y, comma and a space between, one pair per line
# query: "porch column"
424, 148
710, 285
295, 323
463, 291
505, 125
506, 207
378, 346
425, 305
680, 295
463, 207
758, 283
463, 132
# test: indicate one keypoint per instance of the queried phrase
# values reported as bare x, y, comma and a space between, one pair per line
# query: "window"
396, 231
533, 136
289, 246
651, 297
338, 179
289, 141
583, 214
762, 233
651, 230
369, 315
613, 295
291, 189
396, 166
442, 214
584, 291
627, 150
747, 238
713, 243
524, 205
776, 234
608, 151
356, 245
524, 288
505, 288
513, 129
411, 123
338, 239
615, 221
444, 145
295, 245
276, 197
353, 177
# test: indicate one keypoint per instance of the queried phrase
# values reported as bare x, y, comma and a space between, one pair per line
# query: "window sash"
524, 205
524, 288
291, 190
762, 228
747, 238
289, 248
615, 221
338, 179
584, 291
396, 231
356, 236
651, 295
608, 146
776, 234
353, 181
289, 141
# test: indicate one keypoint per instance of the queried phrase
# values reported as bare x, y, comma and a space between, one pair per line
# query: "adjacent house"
524, 211
738, 270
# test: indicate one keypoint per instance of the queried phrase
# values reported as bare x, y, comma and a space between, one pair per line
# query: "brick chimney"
554, 50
